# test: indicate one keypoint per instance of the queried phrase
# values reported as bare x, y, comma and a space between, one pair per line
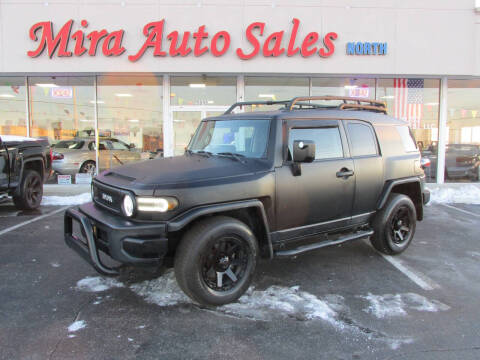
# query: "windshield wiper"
237, 157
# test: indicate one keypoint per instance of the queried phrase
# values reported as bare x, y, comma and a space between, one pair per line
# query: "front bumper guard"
88, 251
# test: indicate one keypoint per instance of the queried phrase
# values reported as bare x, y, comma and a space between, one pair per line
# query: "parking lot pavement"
343, 302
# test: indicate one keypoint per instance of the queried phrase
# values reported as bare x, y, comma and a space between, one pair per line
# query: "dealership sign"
81, 42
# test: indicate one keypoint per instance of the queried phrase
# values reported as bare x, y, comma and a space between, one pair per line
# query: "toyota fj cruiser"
25, 164
258, 184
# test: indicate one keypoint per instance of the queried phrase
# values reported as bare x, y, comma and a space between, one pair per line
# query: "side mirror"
303, 151
131, 146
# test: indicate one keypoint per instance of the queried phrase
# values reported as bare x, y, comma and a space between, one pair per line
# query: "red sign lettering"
185, 43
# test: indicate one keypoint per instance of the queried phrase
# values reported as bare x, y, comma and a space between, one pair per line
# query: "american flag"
409, 100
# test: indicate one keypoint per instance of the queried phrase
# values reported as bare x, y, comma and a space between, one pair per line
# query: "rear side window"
362, 140
328, 144
407, 138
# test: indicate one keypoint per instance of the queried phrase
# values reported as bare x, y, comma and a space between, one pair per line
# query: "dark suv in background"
269, 184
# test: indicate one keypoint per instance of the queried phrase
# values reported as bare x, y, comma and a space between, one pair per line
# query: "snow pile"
67, 200
97, 283
390, 305
77, 325
283, 301
465, 194
163, 291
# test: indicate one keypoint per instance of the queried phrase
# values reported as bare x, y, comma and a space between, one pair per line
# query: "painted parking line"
461, 210
417, 277
11, 228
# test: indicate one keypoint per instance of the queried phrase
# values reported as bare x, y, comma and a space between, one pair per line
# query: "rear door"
4, 168
319, 199
368, 164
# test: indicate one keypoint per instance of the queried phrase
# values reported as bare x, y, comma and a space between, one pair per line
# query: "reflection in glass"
202, 90
416, 102
12, 106
130, 119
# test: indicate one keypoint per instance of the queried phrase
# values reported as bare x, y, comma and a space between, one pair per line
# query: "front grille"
108, 196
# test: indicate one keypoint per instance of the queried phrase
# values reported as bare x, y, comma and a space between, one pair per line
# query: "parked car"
78, 155
25, 164
268, 184
461, 161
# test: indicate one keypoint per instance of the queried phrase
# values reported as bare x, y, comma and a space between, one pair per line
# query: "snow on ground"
97, 283
465, 194
67, 200
390, 305
77, 325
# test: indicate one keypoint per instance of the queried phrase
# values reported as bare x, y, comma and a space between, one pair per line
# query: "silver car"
78, 155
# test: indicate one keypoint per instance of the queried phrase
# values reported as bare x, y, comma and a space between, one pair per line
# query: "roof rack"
356, 103
300, 103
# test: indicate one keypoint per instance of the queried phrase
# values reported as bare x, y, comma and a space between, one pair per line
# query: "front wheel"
216, 260
88, 167
394, 225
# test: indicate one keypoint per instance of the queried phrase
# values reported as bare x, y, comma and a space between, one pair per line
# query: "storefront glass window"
61, 109
351, 87
12, 106
273, 88
462, 156
130, 119
415, 101
194, 98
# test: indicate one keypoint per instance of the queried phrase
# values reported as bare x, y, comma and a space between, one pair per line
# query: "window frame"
313, 123
350, 142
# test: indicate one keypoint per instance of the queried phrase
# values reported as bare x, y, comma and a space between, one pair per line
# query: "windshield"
69, 144
248, 138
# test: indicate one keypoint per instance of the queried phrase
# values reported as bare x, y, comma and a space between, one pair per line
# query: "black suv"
25, 164
269, 184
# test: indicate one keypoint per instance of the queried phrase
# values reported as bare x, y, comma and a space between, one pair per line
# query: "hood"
181, 169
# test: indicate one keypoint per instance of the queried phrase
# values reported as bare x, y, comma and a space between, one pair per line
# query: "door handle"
345, 173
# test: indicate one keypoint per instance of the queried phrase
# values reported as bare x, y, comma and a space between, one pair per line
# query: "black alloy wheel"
225, 263
394, 225
215, 260
29, 193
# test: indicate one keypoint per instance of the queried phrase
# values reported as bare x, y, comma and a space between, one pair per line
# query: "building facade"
138, 76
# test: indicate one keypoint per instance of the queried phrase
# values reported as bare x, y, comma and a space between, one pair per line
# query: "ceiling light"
7, 95
348, 87
86, 120
387, 97
431, 103
98, 102
197, 85
272, 96
210, 101
47, 85
123, 95
134, 120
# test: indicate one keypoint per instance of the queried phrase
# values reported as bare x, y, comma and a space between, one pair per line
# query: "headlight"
128, 205
156, 204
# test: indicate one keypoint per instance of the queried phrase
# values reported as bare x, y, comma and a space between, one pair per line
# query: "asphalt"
39, 299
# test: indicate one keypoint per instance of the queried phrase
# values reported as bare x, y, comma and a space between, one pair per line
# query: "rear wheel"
28, 195
215, 260
394, 225
88, 167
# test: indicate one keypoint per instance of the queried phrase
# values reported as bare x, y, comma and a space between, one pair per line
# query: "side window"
362, 140
328, 144
408, 140
118, 145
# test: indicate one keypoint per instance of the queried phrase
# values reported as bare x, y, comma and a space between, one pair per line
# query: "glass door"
185, 122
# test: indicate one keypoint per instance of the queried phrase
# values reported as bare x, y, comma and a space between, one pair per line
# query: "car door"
368, 164
320, 198
4, 168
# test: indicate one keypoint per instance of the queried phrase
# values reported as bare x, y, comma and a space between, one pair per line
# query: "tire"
394, 226
88, 167
214, 249
28, 194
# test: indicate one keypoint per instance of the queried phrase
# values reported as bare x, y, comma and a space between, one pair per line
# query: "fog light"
128, 205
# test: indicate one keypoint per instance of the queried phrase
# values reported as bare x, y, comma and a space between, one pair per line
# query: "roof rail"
356, 103
268, 102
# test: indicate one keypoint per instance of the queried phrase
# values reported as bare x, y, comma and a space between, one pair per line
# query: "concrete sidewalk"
65, 190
